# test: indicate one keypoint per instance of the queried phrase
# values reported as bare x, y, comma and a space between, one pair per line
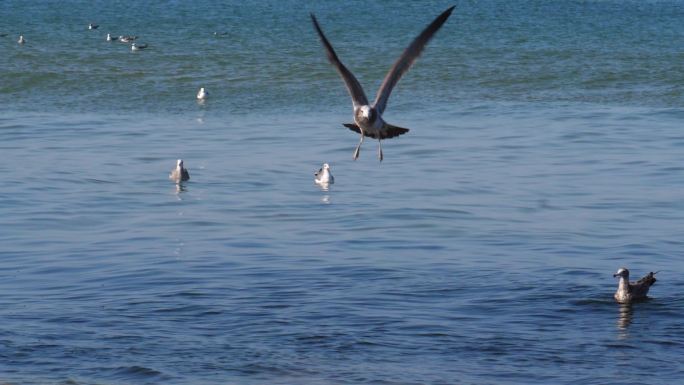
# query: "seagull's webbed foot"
380, 149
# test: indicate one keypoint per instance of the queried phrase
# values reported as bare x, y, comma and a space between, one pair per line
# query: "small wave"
136, 371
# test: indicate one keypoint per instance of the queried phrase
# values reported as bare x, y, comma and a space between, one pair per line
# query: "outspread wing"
406, 60
353, 86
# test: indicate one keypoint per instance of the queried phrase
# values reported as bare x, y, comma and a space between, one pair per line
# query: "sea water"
545, 151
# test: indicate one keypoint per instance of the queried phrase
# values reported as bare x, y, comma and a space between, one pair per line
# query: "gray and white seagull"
368, 117
180, 173
324, 176
632, 291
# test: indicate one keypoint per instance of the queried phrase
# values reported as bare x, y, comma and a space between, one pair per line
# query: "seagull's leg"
380, 149
358, 147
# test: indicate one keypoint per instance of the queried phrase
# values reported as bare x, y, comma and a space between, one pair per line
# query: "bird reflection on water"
624, 320
180, 188
325, 198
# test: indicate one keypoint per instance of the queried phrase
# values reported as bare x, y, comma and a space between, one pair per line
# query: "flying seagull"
179, 174
368, 117
324, 176
632, 291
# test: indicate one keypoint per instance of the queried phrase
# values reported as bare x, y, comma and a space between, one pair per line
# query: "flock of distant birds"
122, 39
368, 122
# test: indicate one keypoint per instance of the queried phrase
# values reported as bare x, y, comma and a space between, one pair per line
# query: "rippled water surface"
546, 150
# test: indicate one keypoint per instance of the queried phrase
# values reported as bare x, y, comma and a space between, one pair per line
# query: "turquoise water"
545, 151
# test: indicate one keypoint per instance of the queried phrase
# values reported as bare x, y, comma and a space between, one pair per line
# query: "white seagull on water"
324, 176
138, 47
202, 94
21, 39
632, 291
180, 173
368, 117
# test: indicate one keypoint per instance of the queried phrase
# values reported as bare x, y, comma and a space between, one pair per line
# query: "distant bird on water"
368, 117
632, 291
21, 39
180, 173
202, 94
110, 38
138, 47
127, 38
92, 26
323, 175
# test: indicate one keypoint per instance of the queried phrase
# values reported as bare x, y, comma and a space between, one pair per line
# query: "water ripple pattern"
545, 151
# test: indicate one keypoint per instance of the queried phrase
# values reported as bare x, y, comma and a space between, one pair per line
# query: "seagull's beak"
616, 275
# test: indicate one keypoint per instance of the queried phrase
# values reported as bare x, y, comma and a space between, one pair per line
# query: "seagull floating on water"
179, 174
110, 38
92, 26
21, 39
138, 47
632, 291
368, 117
323, 175
127, 38
202, 94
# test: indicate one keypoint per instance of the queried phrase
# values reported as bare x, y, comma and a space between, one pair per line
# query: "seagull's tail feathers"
646, 282
389, 131
392, 131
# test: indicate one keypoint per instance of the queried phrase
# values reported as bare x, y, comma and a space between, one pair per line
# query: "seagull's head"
179, 163
365, 111
326, 166
622, 272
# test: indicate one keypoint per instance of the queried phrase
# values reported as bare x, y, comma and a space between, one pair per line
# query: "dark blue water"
546, 150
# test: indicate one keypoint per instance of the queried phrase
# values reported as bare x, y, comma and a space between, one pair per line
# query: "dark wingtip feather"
447, 12
442, 18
